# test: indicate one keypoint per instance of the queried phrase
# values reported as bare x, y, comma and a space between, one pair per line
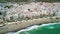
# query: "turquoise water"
51, 28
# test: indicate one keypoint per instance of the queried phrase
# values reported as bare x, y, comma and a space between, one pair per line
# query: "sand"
15, 26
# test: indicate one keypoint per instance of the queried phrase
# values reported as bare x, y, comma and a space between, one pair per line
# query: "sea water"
51, 28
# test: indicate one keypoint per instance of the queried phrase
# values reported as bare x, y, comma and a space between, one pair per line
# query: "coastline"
15, 26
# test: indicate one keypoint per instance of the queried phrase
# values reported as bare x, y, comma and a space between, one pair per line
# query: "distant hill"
29, 0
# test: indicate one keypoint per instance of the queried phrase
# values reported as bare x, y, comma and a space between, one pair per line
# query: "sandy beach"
15, 26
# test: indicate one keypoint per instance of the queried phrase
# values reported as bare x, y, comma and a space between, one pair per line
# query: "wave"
51, 28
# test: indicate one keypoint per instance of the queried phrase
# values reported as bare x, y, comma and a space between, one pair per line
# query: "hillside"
29, 0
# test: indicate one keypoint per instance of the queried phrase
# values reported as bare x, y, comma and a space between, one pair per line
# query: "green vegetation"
29, 0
